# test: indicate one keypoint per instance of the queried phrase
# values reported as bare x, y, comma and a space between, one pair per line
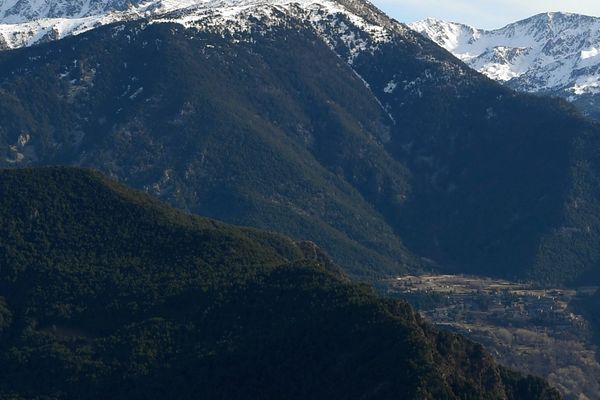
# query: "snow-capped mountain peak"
553, 53
449, 35
19, 11
28, 22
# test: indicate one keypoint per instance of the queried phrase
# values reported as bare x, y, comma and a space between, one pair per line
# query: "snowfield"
29, 22
553, 53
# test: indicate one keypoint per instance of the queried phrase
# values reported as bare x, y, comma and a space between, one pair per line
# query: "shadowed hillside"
106, 293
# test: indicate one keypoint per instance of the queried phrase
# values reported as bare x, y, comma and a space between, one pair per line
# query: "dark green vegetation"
278, 132
590, 307
253, 135
502, 183
106, 293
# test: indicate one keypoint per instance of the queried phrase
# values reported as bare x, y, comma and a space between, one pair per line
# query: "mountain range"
107, 293
327, 121
556, 54
371, 149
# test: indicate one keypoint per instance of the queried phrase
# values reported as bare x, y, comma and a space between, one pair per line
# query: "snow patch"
390, 87
136, 93
586, 85
590, 53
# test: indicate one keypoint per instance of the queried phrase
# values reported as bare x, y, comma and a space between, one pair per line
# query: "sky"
485, 14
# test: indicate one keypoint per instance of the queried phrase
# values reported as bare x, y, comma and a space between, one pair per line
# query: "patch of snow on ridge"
591, 53
30, 33
331, 20
230, 15
390, 87
590, 85
452, 36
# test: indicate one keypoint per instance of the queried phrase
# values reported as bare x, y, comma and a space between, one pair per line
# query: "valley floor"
534, 330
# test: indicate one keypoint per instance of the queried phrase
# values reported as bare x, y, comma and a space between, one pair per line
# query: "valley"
528, 328
239, 172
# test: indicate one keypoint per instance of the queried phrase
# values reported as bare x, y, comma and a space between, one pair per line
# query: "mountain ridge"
550, 53
58, 20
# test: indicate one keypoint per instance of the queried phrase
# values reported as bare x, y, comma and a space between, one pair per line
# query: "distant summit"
550, 53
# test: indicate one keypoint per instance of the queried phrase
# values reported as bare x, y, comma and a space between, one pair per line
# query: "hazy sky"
485, 14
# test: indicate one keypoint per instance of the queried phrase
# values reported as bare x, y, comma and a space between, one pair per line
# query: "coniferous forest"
107, 293
225, 200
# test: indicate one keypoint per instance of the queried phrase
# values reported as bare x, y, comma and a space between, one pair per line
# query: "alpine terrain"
555, 54
324, 120
375, 152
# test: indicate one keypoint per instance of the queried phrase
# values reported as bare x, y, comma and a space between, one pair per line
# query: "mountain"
18, 11
30, 22
326, 121
227, 134
553, 54
107, 293
26, 22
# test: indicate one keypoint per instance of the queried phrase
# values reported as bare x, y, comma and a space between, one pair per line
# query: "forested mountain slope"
106, 293
255, 135
327, 121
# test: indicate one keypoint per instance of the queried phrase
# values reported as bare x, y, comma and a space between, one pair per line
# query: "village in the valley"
526, 327
457, 298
